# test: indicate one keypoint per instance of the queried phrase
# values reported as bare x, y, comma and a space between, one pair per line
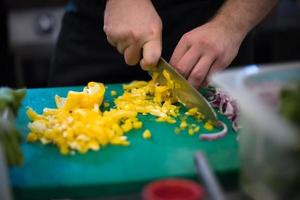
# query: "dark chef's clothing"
83, 53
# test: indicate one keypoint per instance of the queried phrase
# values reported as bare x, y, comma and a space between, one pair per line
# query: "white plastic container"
269, 145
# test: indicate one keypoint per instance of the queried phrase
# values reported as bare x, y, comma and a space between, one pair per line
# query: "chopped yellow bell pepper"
183, 125
147, 134
91, 95
192, 111
77, 124
113, 93
208, 126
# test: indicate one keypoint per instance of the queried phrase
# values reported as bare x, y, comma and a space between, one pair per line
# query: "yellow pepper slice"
92, 94
147, 134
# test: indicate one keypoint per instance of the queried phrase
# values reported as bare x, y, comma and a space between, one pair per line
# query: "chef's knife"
183, 91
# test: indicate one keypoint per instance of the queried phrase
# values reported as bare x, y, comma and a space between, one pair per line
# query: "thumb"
151, 54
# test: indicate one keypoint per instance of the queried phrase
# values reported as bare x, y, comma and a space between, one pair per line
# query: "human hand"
134, 28
205, 50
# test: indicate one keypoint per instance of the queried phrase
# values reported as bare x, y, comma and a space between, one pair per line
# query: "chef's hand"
205, 50
134, 28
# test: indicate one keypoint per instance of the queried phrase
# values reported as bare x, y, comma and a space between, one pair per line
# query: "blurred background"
29, 30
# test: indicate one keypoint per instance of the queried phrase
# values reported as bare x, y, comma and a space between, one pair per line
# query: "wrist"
229, 26
126, 4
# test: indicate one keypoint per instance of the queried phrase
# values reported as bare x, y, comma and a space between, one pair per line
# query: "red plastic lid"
173, 189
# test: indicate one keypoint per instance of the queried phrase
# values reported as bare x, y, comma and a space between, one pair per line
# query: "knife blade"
183, 91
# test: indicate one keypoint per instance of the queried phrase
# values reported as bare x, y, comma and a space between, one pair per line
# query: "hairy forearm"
242, 15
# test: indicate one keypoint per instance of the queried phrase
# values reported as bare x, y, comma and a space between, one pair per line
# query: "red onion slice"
213, 136
225, 104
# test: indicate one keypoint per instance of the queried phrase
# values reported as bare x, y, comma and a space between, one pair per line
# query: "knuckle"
154, 31
204, 42
215, 48
225, 63
156, 28
186, 38
104, 28
159, 24
107, 30
123, 34
181, 70
221, 63
198, 77
131, 35
219, 51
120, 35
111, 33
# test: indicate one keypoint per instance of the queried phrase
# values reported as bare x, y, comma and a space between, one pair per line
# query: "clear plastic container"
269, 145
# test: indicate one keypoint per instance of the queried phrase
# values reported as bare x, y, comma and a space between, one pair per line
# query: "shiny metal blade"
184, 92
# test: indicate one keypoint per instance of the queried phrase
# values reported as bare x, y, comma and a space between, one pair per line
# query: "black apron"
83, 54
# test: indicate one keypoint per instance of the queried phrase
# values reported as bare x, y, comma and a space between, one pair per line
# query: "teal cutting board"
113, 169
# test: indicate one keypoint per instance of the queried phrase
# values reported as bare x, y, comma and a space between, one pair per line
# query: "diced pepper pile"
77, 124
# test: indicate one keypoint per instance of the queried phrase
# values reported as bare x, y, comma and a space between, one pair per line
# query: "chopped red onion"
213, 136
225, 104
